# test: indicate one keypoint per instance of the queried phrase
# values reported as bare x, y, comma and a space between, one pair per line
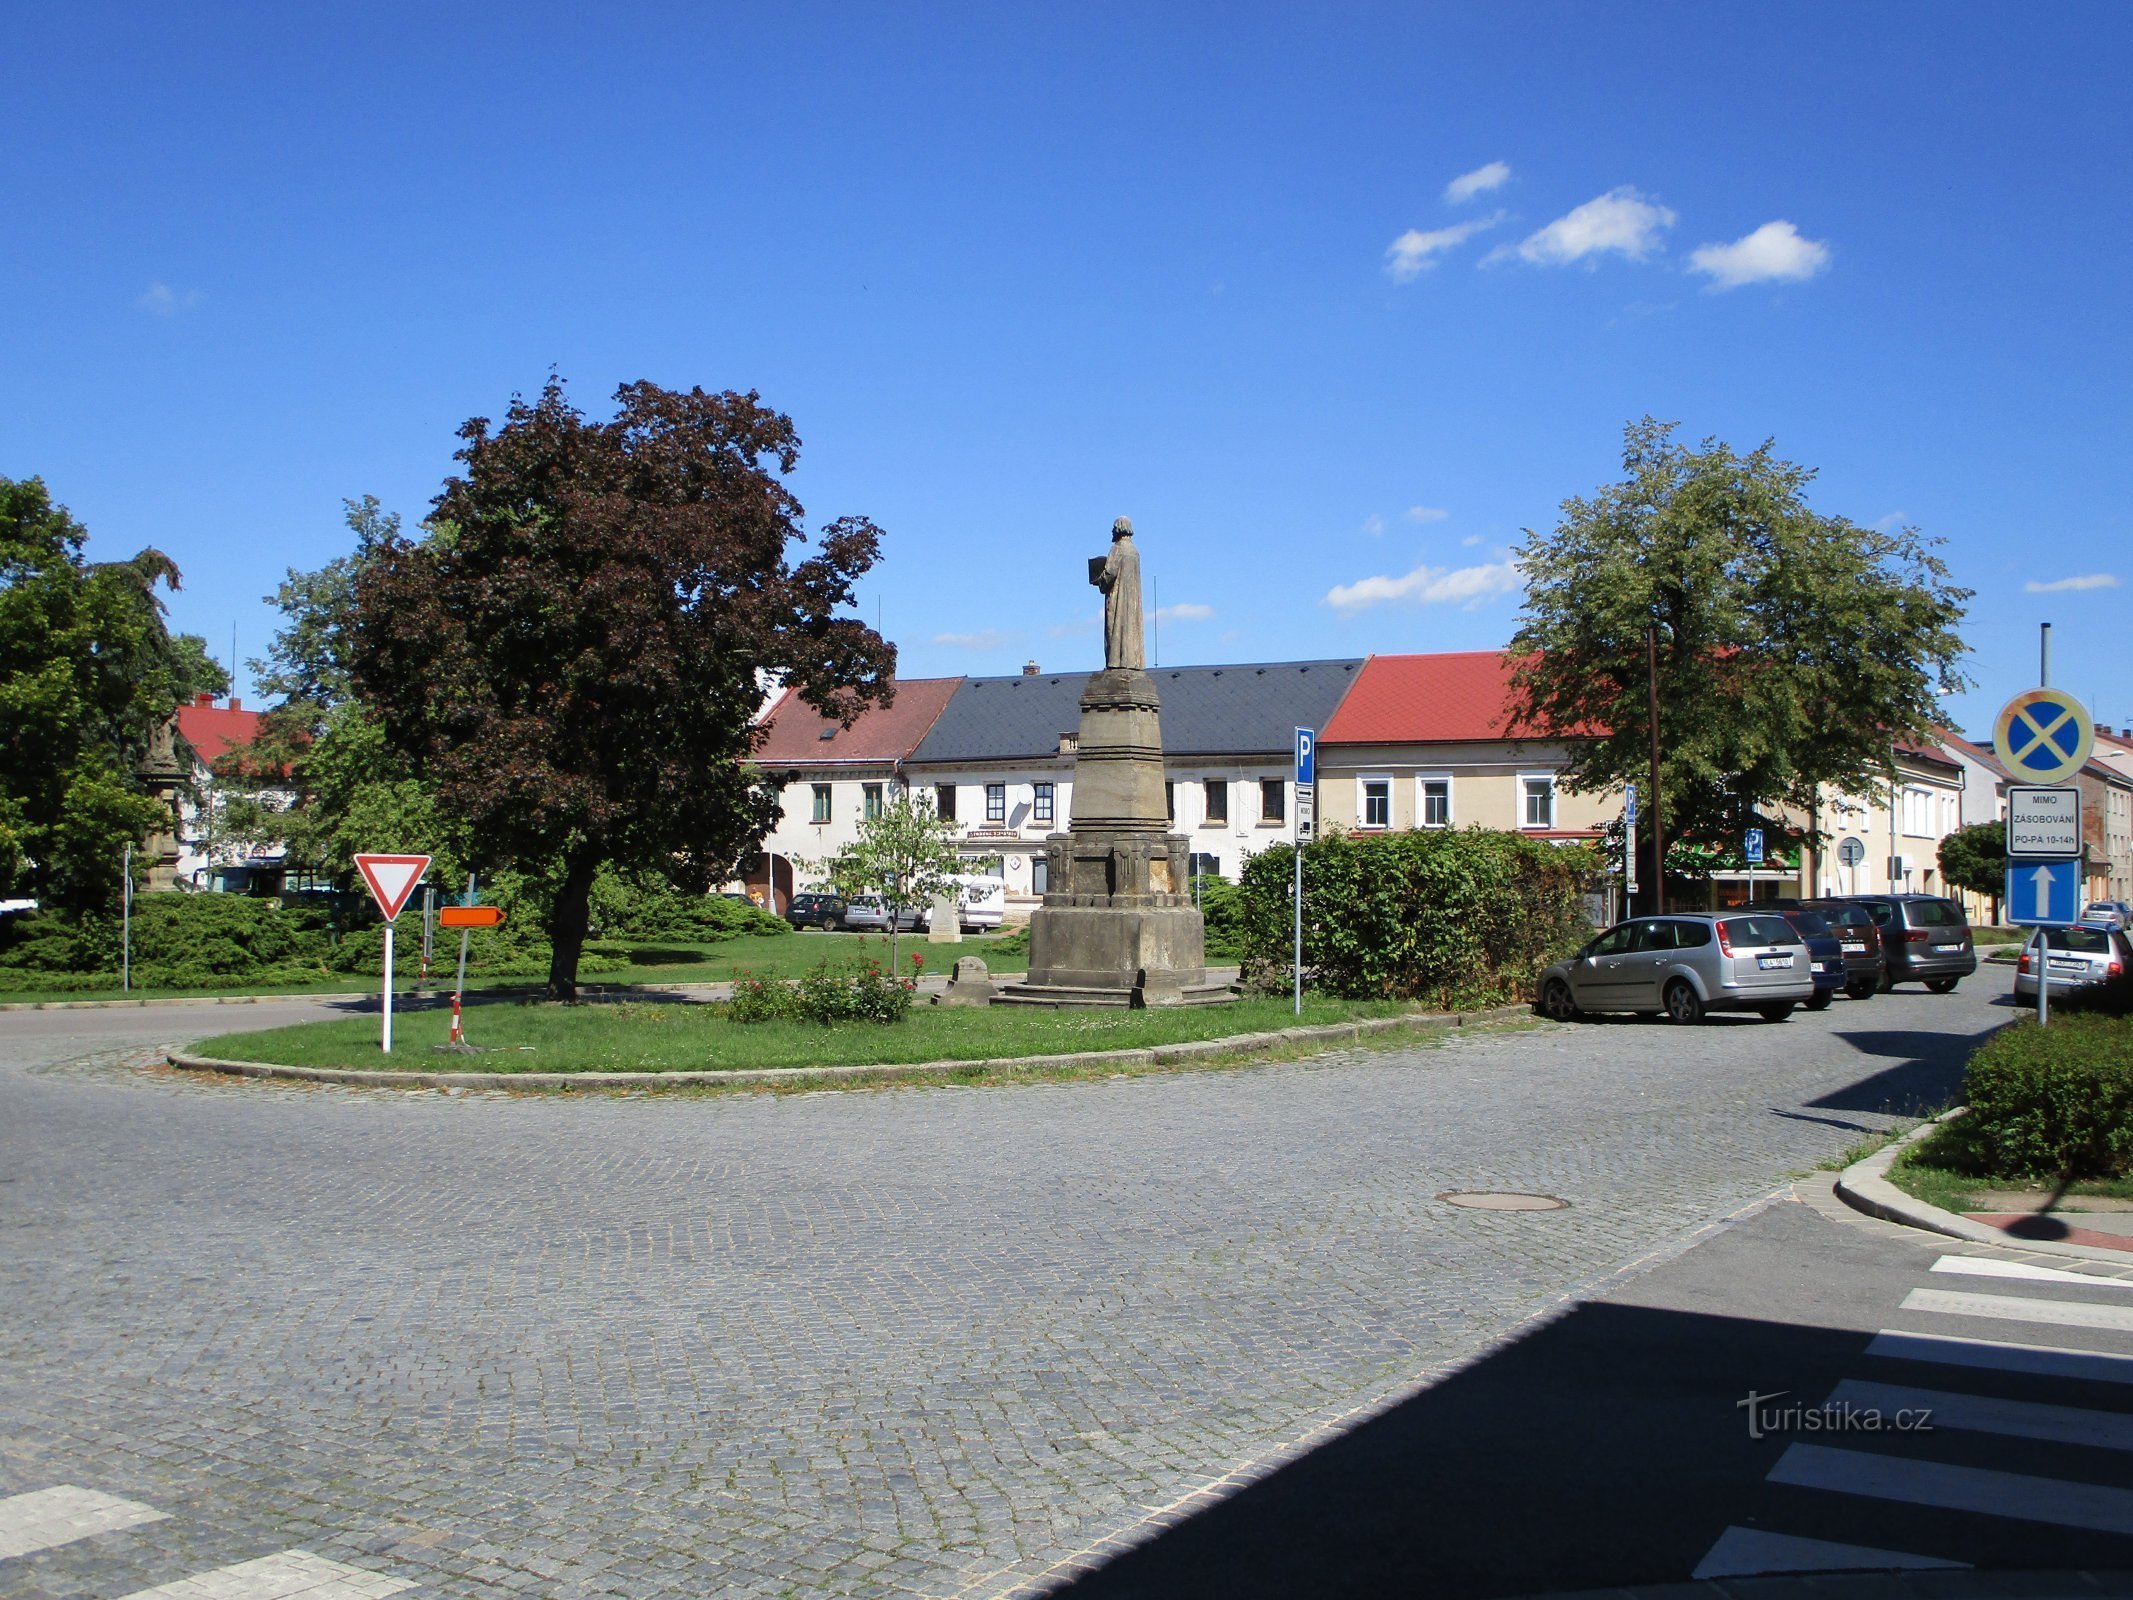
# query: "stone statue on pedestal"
1118, 927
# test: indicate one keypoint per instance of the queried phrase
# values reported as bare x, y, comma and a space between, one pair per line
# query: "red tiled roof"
1456, 696
213, 731
799, 733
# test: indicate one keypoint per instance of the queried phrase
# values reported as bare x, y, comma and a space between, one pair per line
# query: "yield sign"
392, 879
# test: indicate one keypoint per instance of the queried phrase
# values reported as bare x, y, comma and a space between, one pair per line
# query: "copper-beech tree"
574, 653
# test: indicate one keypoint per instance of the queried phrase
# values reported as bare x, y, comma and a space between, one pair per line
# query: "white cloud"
1621, 221
2088, 580
1185, 611
1893, 521
990, 639
1471, 540
1415, 252
1479, 181
163, 301
1429, 586
1426, 514
1774, 253
1373, 524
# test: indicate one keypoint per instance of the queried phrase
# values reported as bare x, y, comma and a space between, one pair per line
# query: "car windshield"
2081, 941
1760, 930
1807, 921
1934, 914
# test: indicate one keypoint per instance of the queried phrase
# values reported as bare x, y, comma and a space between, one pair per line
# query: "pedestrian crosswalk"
1949, 1447
64, 1515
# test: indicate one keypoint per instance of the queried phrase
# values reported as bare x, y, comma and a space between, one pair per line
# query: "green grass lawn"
782, 955
638, 1037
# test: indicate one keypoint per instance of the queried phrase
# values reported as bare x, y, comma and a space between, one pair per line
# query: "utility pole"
1651, 686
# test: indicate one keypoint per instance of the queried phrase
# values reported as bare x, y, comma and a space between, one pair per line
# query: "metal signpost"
1851, 852
466, 917
2043, 736
1306, 826
392, 881
126, 922
1751, 846
1629, 845
2042, 895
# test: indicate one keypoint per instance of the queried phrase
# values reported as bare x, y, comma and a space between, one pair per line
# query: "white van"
981, 901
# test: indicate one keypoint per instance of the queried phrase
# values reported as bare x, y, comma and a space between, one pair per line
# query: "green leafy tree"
1975, 858
198, 672
88, 675
1793, 647
904, 855
575, 653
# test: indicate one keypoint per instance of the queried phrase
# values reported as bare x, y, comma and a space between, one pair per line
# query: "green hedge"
1456, 918
2052, 1102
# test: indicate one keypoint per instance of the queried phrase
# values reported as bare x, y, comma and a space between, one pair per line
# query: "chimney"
236, 704
203, 700
1029, 670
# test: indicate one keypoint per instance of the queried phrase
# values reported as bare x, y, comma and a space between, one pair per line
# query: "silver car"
1683, 966
2073, 957
2108, 914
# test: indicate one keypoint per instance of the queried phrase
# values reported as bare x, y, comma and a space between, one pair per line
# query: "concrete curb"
1242, 1046
1864, 1186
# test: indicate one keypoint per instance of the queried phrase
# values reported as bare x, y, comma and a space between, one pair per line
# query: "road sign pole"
385, 1042
2043, 973
459, 985
1297, 969
2044, 655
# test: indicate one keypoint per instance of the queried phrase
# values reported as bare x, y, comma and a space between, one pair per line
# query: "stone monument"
1118, 926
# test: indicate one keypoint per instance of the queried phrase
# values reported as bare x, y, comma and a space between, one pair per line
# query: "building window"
1041, 803
1170, 801
870, 797
1377, 802
1273, 800
1218, 800
944, 801
996, 802
985, 866
1537, 801
1204, 864
1918, 813
1436, 802
1040, 874
822, 802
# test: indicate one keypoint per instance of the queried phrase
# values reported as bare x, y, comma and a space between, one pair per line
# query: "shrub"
1457, 918
1222, 907
757, 999
2053, 1102
828, 994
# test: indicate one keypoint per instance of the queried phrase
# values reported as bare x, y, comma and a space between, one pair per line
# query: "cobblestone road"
912, 1341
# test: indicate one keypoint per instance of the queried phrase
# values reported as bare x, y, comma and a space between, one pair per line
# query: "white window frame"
1918, 809
821, 803
873, 801
1451, 814
1363, 782
1525, 825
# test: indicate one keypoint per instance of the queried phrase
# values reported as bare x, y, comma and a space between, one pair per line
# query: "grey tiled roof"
1252, 708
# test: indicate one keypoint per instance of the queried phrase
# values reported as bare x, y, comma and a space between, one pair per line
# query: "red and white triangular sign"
392, 879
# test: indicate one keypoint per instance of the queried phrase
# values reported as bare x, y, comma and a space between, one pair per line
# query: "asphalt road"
912, 1341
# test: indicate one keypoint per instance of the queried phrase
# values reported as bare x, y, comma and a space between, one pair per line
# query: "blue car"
1825, 953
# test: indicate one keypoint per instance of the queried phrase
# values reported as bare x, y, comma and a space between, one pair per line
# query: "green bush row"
1457, 918
2051, 1102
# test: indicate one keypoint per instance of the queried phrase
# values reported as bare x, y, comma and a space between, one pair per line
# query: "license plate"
1773, 961
1945, 948
1855, 949
2070, 966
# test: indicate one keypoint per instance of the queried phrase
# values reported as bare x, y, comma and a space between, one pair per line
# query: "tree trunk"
567, 924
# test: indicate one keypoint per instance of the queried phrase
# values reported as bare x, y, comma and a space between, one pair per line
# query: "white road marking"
1987, 1267
1997, 1355
44, 1518
2018, 1419
2013, 1308
1979, 1490
291, 1574
1747, 1552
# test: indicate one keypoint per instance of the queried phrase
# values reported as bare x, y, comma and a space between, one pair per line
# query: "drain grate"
1501, 1200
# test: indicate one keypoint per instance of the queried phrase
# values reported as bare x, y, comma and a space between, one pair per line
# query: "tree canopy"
1794, 647
904, 855
1975, 858
88, 674
575, 653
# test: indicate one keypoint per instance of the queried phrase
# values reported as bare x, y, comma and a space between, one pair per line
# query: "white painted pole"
1299, 969
386, 1042
126, 921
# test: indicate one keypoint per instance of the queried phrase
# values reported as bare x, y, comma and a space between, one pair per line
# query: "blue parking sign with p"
1752, 846
1306, 755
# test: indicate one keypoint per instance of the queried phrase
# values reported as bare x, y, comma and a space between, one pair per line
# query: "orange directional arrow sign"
470, 916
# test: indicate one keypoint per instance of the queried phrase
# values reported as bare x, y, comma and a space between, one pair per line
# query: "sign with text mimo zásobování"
2043, 821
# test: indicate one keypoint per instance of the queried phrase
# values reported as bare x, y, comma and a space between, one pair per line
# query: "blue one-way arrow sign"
2043, 894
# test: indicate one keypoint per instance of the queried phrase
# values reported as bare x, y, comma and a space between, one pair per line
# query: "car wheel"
1822, 999
1885, 985
1940, 985
1558, 1004
1776, 1013
1683, 1004
1863, 991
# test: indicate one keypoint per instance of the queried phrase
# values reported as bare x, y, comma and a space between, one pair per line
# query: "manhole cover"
1496, 1200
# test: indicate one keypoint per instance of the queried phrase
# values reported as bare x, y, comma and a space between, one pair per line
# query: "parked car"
981, 901
865, 913
824, 911
1683, 966
2108, 914
1924, 939
2073, 957
1860, 938
1825, 953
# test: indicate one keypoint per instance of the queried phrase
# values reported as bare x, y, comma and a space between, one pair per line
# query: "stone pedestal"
1118, 927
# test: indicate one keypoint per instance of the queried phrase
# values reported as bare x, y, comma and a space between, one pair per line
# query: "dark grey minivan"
1924, 939
1684, 965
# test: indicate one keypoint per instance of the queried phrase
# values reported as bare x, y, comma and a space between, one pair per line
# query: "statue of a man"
1119, 576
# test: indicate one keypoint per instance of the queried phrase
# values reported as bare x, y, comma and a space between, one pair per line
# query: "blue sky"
1015, 270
